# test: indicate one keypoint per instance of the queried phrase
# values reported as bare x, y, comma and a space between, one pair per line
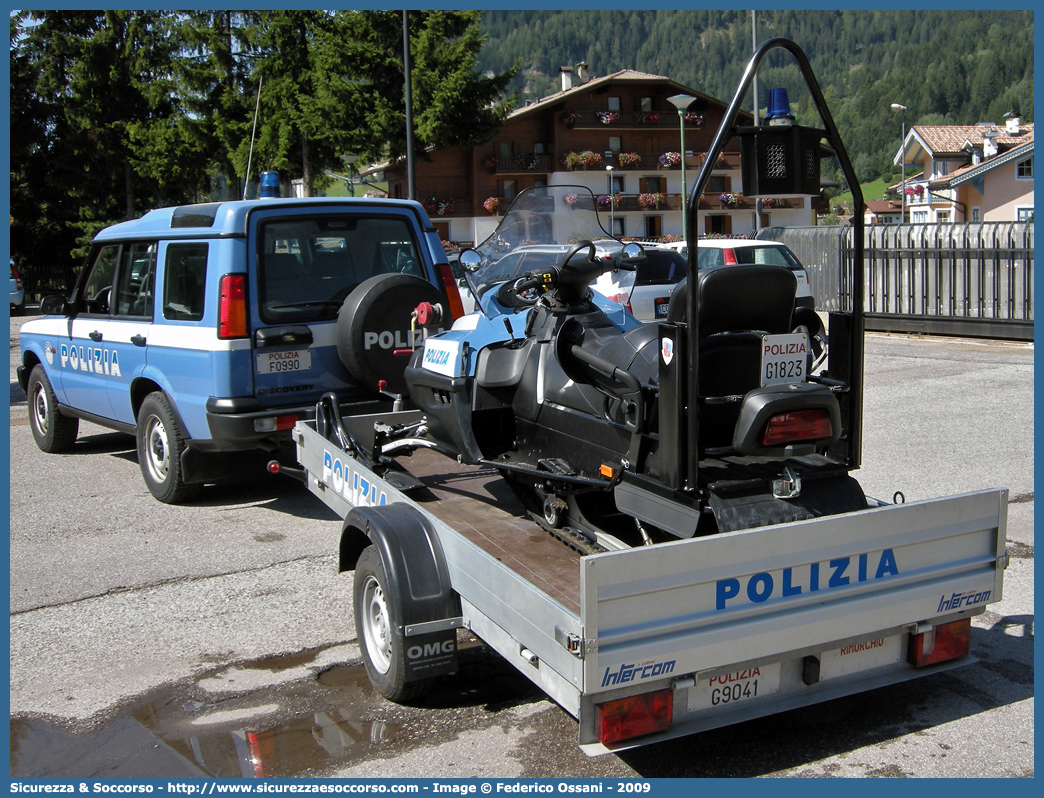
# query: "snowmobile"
618, 433
575, 402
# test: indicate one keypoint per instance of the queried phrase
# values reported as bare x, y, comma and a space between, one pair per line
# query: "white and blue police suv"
209, 330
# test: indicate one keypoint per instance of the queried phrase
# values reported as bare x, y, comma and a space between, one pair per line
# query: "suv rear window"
307, 265
774, 256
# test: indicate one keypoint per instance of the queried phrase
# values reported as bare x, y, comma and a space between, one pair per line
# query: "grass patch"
871, 191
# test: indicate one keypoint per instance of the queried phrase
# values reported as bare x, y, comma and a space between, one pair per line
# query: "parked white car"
17, 292
742, 251
647, 291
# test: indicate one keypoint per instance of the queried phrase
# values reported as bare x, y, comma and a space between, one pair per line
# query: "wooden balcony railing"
447, 206
651, 202
626, 161
656, 161
628, 119
513, 164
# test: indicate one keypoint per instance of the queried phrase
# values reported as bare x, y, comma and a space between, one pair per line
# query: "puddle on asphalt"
334, 718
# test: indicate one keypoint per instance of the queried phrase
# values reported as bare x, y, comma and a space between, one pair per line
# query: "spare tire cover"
374, 323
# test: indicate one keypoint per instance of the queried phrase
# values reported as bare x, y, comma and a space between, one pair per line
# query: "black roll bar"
724, 133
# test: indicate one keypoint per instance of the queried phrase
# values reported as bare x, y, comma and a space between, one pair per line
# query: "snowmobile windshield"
539, 228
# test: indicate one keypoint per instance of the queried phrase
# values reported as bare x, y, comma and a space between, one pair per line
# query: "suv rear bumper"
234, 428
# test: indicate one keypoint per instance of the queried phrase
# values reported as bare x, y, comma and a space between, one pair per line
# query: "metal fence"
949, 279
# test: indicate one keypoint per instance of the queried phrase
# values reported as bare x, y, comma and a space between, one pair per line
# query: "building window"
653, 226
615, 143
919, 217
718, 224
717, 184
508, 188
1024, 214
652, 185
614, 104
645, 105
538, 148
942, 217
618, 227
1024, 170
976, 215
618, 184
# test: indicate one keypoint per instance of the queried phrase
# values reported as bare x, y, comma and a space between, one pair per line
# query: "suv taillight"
449, 285
232, 307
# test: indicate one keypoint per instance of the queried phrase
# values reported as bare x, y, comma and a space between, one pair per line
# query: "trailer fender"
413, 559
422, 609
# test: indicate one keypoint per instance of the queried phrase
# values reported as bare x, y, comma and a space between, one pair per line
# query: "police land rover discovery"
207, 330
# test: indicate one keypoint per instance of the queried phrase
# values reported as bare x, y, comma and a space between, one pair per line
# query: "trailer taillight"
940, 643
634, 716
797, 426
232, 307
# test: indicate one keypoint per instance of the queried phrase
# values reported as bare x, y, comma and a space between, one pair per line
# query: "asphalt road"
217, 639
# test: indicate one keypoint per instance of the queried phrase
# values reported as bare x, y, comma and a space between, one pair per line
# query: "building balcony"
667, 120
516, 164
445, 207
731, 202
645, 161
587, 160
651, 202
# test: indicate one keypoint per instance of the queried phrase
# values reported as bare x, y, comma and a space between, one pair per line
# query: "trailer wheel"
380, 635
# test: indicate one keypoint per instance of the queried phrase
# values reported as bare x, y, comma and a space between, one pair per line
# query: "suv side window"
97, 290
137, 278
184, 282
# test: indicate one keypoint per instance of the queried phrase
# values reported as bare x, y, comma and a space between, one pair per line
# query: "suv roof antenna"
253, 130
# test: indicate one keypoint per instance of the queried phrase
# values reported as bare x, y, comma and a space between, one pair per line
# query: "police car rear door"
304, 261
98, 357
131, 324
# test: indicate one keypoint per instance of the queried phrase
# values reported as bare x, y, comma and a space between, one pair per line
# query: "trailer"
657, 525
645, 644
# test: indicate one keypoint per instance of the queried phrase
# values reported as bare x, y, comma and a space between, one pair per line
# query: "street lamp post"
681, 102
609, 193
902, 160
350, 160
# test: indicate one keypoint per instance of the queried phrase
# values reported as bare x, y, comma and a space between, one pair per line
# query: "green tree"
113, 132
454, 105
217, 89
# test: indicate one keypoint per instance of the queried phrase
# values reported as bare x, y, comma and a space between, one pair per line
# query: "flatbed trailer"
649, 643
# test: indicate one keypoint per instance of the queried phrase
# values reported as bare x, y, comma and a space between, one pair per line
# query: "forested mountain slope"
947, 67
